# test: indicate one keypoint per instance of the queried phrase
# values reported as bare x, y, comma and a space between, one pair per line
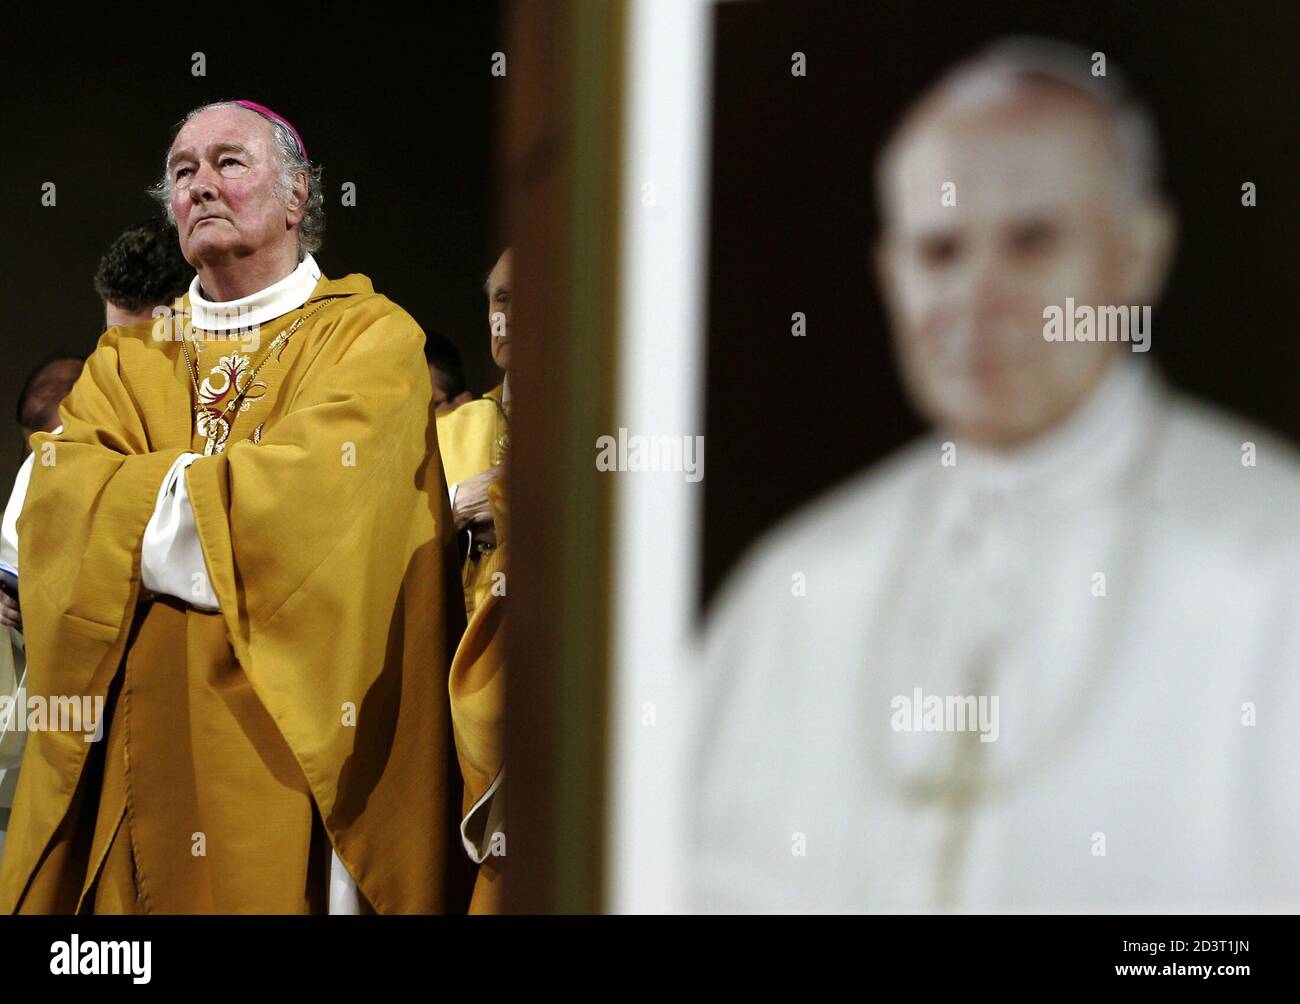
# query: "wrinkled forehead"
235, 126
501, 271
1026, 157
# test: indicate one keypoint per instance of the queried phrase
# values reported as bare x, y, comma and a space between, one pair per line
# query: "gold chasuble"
310, 711
473, 438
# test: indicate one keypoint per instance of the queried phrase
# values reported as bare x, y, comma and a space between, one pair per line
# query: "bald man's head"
1010, 186
1029, 73
500, 283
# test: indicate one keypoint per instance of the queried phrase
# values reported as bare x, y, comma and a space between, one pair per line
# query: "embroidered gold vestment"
311, 710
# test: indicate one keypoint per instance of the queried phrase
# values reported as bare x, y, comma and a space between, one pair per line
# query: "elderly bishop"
241, 541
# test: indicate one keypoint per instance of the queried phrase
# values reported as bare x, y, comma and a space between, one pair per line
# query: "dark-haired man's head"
142, 269
44, 391
447, 370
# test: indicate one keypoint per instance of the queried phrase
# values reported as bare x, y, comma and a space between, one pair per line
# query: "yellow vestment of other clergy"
310, 711
472, 439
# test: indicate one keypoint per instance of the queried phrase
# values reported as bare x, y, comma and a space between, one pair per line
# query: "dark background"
793, 218
404, 107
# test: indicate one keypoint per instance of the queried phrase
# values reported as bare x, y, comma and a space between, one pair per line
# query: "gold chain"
218, 418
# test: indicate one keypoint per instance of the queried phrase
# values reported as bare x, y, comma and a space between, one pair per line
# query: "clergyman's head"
498, 287
238, 182
447, 371
44, 390
1020, 179
141, 270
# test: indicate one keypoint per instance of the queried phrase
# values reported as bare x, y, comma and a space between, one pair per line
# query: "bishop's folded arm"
93, 489
269, 514
171, 556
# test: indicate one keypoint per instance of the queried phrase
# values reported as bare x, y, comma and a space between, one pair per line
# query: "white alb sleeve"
171, 558
485, 819
344, 896
9, 525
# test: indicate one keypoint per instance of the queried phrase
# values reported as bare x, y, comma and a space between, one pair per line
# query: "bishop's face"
224, 168
966, 284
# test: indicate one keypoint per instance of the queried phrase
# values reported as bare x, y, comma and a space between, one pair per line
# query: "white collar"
505, 389
1094, 443
266, 304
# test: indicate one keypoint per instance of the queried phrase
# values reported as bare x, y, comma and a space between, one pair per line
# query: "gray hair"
1013, 65
311, 229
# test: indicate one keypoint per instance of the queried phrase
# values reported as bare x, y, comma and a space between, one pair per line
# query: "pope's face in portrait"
499, 286
224, 174
990, 215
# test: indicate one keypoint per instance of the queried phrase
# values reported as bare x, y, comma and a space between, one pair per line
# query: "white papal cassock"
1147, 752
